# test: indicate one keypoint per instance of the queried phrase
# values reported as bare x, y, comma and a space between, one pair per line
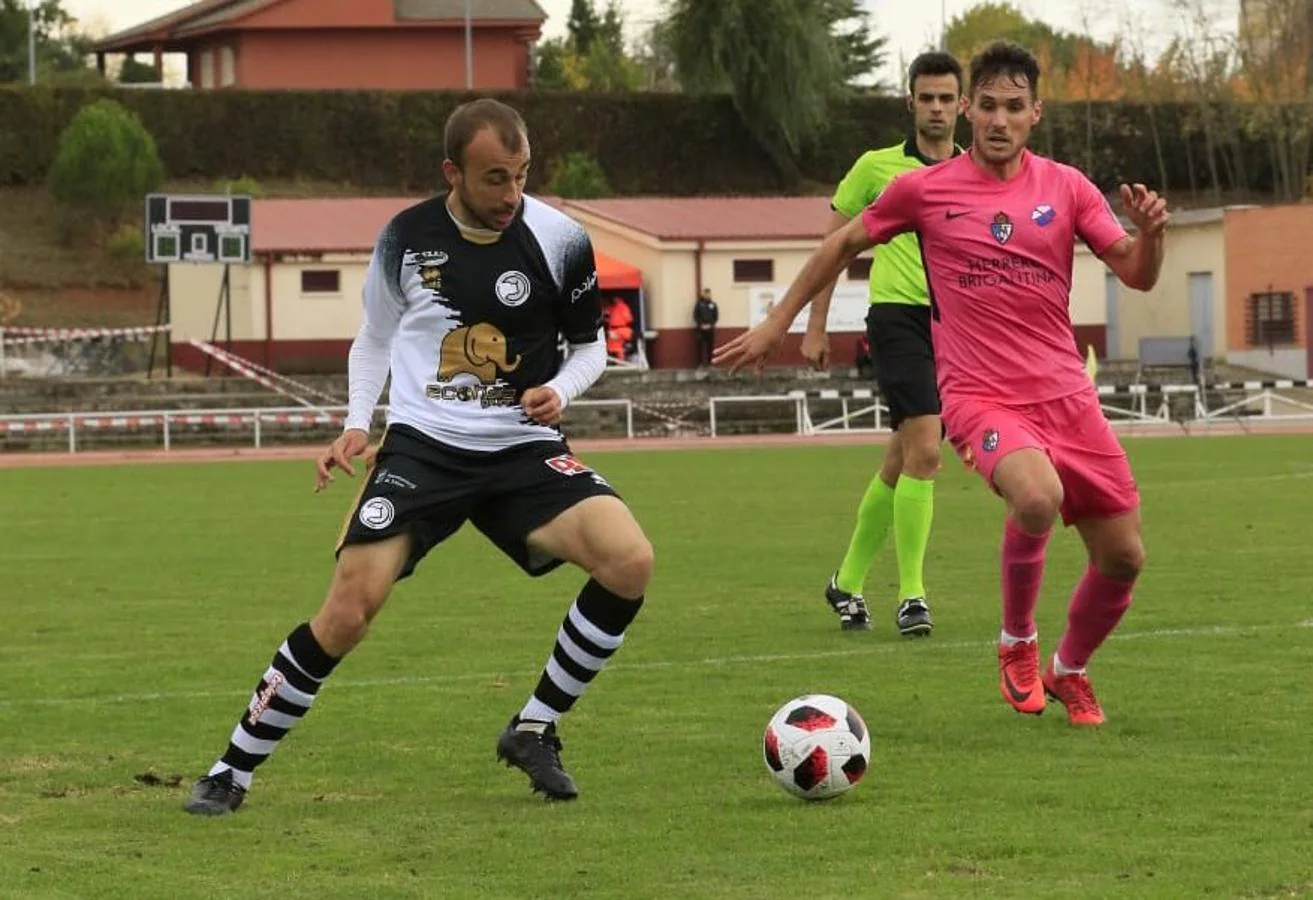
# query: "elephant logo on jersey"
1001, 228
512, 288
431, 278
478, 350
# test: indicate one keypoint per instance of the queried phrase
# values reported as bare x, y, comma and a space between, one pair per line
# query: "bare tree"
1276, 68
1087, 62
1206, 57
1142, 84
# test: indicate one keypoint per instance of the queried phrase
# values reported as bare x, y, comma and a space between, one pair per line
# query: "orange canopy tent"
614, 275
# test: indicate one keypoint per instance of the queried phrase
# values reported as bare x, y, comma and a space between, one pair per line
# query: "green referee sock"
914, 507
874, 515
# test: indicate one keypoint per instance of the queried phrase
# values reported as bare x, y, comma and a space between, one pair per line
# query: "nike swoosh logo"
1017, 694
955, 215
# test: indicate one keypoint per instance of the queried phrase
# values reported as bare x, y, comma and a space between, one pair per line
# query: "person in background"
705, 316
619, 328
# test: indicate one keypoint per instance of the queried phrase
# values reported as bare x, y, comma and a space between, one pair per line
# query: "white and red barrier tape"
307, 390
31, 335
243, 368
109, 423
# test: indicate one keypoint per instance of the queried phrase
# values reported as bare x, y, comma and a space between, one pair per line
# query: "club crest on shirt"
1042, 215
428, 265
512, 288
1001, 228
989, 443
431, 277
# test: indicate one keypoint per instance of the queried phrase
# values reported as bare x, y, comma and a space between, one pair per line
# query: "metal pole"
31, 42
469, 46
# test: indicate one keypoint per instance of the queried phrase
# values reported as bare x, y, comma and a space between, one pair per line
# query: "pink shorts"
1096, 476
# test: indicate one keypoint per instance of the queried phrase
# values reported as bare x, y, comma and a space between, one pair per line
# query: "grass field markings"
706, 662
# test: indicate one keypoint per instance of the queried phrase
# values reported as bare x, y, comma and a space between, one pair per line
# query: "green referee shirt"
897, 275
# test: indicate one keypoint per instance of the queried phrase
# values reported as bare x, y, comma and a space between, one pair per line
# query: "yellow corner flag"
1092, 364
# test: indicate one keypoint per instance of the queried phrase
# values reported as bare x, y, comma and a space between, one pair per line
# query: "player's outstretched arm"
1137, 260
758, 344
816, 342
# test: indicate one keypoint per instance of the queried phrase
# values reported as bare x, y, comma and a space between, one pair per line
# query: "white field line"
709, 662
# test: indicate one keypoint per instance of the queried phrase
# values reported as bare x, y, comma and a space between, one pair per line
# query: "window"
321, 281
1270, 319
227, 66
859, 269
754, 270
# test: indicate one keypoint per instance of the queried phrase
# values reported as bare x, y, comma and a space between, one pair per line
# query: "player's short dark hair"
470, 118
1007, 59
934, 62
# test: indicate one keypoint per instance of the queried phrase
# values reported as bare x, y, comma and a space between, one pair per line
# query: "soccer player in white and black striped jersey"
466, 299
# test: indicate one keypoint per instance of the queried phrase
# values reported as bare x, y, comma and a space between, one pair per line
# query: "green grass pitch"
138, 606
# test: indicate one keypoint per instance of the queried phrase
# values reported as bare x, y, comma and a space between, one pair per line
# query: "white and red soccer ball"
817, 746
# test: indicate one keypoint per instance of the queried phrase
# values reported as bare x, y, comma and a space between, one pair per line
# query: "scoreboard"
198, 228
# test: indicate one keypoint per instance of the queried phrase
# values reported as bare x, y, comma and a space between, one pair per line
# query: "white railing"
167, 422
859, 412
797, 398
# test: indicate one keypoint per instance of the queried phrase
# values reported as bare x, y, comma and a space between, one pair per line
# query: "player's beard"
483, 219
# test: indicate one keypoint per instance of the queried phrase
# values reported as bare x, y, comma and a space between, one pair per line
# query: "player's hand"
1146, 210
349, 444
755, 346
816, 349
543, 405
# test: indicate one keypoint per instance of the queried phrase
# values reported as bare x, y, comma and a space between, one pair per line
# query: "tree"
1074, 66
106, 162
578, 176
1202, 61
1275, 54
134, 72
655, 58
582, 26
969, 33
551, 65
861, 51
59, 47
602, 66
777, 60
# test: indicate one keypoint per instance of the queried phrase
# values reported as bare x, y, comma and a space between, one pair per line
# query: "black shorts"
904, 360
428, 490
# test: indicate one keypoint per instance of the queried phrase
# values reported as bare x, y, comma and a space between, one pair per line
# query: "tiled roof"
207, 14
321, 224
515, 10
325, 224
161, 25
714, 218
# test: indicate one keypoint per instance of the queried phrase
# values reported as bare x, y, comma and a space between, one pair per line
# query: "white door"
1111, 333
1201, 312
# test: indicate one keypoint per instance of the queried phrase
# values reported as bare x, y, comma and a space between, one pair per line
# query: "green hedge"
646, 143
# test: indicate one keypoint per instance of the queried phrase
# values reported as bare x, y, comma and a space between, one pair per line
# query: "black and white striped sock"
282, 699
593, 629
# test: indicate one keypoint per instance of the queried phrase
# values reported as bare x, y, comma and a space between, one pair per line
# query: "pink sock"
1097, 605
1023, 570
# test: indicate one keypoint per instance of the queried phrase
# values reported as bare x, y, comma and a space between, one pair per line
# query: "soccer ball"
816, 746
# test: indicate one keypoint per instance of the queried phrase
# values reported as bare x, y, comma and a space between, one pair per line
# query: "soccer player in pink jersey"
998, 227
